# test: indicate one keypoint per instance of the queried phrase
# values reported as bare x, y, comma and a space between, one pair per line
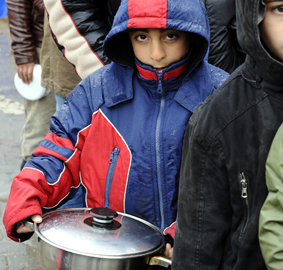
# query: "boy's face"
271, 28
159, 47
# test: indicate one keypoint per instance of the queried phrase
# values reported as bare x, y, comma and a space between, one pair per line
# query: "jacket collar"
148, 73
161, 83
195, 86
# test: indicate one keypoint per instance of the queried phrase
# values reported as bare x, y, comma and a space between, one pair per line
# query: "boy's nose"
157, 51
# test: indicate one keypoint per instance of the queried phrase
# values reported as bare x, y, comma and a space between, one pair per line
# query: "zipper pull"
111, 158
159, 87
244, 186
112, 155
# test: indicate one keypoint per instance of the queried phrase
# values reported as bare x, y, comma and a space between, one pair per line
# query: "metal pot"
98, 238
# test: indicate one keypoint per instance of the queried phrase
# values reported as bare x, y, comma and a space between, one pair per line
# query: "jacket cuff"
21, 236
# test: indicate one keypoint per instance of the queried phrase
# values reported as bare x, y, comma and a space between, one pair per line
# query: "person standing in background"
26, 28
58, 75
224, 50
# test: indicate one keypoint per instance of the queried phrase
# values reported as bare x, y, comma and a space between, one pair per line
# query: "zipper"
157, 139
244, 195
111, 169
159, 86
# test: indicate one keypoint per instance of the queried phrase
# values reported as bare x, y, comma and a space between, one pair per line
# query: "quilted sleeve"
79, 29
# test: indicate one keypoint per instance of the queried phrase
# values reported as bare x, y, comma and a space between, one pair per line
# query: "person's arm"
79, 29
204, 211
20, 24
54, 166
23, 41
271, 217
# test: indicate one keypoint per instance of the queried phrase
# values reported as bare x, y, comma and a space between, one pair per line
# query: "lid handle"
103, 218
103, 215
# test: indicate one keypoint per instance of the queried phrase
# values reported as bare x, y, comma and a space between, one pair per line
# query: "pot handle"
161, 261
29, 224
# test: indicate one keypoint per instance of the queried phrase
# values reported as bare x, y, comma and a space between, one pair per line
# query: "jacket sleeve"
21, 29
54, 167
79, 29
225, 51
270, 222
204, 211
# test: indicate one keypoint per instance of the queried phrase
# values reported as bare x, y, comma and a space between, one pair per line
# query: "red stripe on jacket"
96, 153
150, 75
155, 17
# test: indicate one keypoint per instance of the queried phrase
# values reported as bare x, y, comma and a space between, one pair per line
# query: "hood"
182, 15
248, 34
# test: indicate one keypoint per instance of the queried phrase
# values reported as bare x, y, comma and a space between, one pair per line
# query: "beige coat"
58, 74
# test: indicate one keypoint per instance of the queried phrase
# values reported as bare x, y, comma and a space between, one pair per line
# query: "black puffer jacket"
82, 44
222, 186
224, 51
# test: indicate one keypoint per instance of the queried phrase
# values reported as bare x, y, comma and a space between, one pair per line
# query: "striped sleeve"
79, 29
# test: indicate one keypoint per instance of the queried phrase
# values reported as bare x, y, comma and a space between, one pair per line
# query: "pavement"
13, 255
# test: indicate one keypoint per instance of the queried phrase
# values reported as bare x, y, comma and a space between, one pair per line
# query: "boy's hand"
24, 229
168, 251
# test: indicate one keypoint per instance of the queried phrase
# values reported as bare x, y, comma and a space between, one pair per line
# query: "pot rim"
151, 252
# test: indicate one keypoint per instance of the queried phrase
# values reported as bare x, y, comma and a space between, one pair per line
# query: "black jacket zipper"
244, 195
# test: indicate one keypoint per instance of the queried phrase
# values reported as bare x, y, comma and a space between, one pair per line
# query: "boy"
222, 186
118, 137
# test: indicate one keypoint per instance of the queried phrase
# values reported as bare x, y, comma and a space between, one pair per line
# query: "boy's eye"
171, 36
141, 37
279, 9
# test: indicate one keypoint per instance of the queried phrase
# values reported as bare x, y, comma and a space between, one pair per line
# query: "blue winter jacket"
117, 140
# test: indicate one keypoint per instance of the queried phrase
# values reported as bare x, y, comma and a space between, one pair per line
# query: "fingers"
168, 251
25, 72
24, 229
36, 219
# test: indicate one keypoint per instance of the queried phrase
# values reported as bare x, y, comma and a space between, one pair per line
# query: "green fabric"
271, 215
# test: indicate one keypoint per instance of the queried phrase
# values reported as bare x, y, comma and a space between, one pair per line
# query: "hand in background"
25, 72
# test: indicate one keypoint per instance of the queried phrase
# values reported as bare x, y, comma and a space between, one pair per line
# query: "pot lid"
99, 232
